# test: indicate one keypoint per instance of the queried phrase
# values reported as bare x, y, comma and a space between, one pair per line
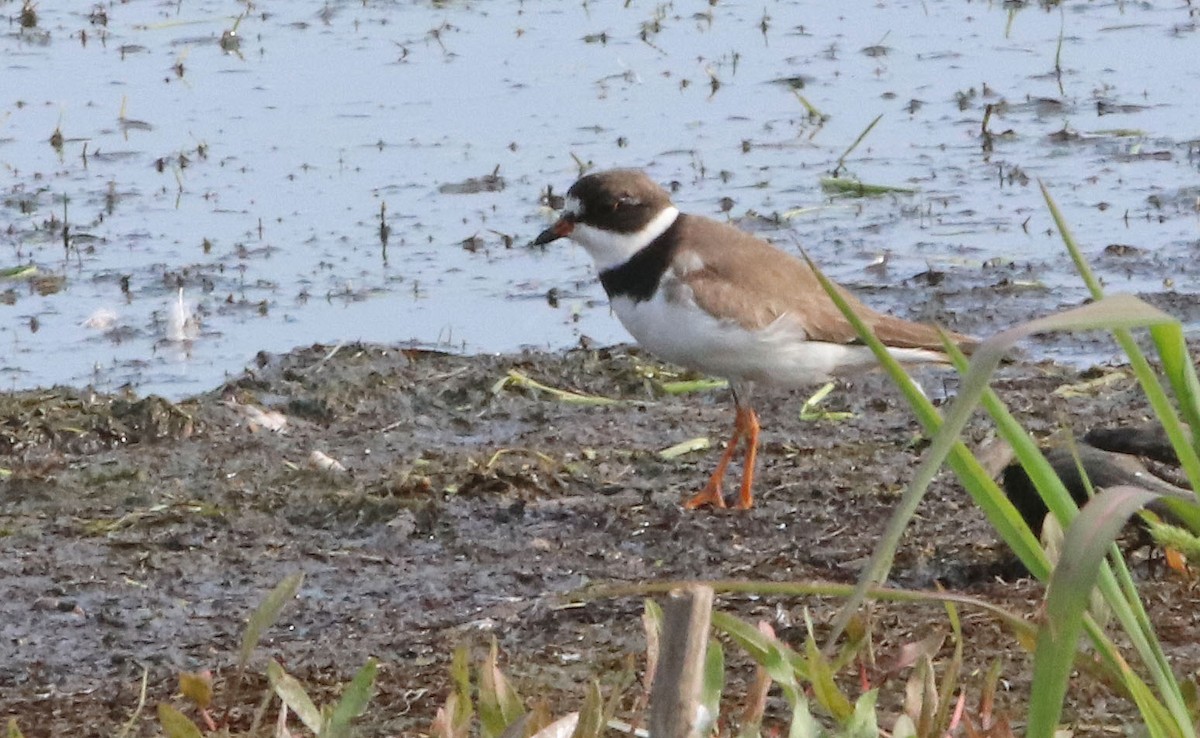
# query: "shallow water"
253, 178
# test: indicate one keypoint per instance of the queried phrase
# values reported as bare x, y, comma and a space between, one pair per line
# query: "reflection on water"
318, 172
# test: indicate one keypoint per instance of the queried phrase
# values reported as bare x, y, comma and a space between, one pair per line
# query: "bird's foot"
1176, 561
710, 495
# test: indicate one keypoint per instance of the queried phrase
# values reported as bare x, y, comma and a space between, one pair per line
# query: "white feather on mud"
324, 462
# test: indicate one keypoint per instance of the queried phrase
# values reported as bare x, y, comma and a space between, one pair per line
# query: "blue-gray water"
253, 178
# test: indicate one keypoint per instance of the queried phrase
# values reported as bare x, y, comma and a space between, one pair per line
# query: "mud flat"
138, 533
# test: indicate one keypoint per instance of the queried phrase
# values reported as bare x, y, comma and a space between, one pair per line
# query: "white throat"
610, 249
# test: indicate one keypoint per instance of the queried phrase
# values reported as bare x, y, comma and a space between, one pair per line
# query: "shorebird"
709, 297
1135, 456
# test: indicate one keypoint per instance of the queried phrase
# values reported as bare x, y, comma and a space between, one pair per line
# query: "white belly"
780, 354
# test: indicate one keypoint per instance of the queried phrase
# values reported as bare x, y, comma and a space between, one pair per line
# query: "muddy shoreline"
140, 533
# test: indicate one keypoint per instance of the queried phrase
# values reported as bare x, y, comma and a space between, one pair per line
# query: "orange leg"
746, 424
746, 498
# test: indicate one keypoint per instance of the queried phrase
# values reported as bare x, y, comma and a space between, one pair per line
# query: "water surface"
244, 161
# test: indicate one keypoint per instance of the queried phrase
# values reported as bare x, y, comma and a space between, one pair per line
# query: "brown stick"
675, 695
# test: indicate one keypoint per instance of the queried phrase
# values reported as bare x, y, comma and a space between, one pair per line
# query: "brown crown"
618, 200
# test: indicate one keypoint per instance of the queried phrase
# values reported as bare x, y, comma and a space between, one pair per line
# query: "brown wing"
744, 279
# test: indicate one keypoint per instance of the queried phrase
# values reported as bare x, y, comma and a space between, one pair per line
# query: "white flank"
780, 354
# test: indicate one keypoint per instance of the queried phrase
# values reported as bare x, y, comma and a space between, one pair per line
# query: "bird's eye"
626, 201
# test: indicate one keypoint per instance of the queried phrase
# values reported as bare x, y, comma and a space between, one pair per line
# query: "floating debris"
19, 272
855, 188
182, 323
101, 319
473, 185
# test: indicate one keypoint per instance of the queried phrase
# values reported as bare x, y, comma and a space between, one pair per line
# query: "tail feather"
901, 333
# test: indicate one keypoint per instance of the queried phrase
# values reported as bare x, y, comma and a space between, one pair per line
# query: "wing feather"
742, 278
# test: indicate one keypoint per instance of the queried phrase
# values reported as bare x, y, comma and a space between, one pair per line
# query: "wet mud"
139, 534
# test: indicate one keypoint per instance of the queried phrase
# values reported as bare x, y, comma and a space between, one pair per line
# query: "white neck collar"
610, 249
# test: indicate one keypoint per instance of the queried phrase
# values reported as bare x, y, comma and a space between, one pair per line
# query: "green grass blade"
1121, 596
127, 728
842, 159
499, 704
1081, 265
745, 634
175, 724
811, 409
803, 724
518, 379
289, 689
926, 413
951, 673
18, 272
354, 700
863, 723
460, 675
1122, 311
783, 664
685, 386
751, 640
713, 683
975, 479
1088, 540
265, 615
591, 715
1169, 341
857, 188
1180, 371
685, 447
652, 623
881, 559
811, 110
1172, 350
824, 688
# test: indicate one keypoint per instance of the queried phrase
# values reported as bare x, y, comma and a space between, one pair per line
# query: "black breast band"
638, 278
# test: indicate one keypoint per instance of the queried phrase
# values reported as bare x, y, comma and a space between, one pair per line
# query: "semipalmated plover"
707, 296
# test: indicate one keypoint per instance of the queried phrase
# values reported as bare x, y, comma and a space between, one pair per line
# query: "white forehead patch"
572, 206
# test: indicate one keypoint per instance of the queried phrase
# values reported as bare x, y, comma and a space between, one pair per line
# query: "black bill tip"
561, 228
